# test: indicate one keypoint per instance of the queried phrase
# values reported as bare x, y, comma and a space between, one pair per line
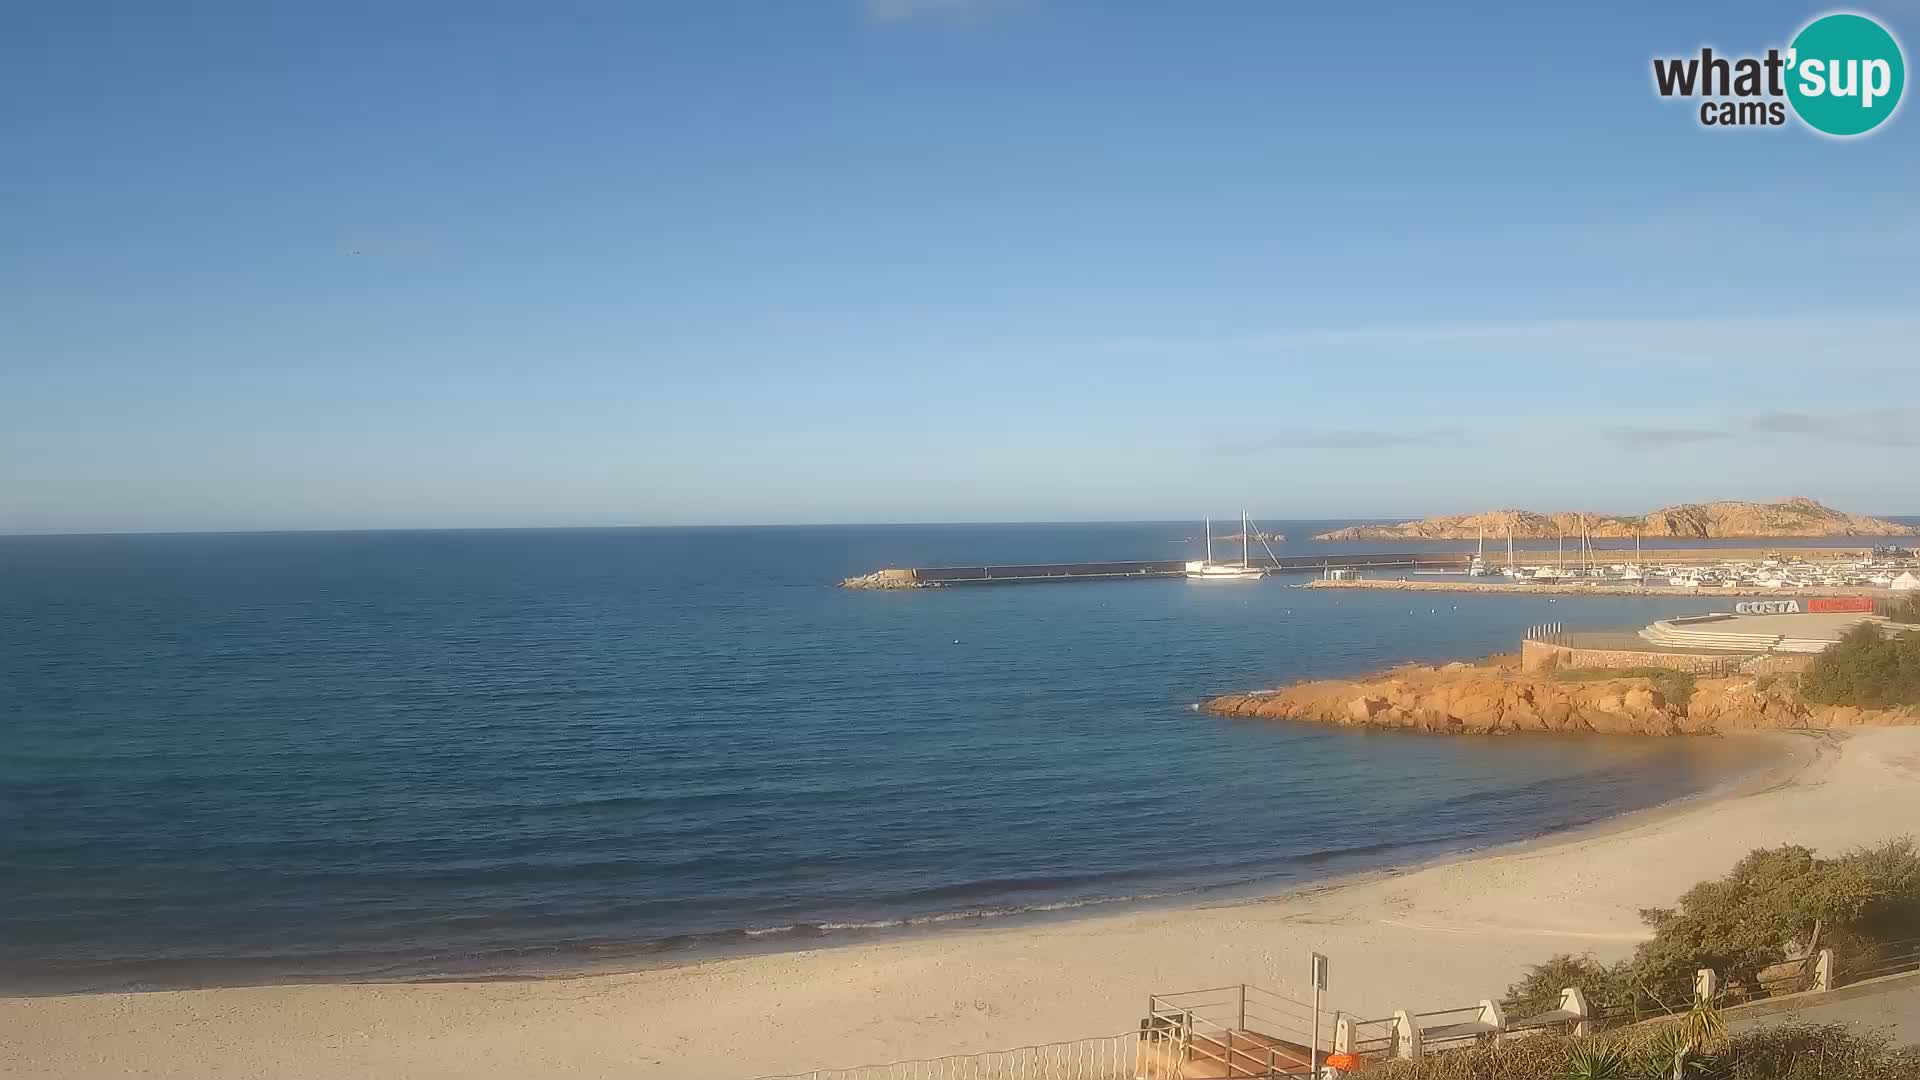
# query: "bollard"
1492, 1015
1342, 1047
1406, 1035
1823, 970
1573, 1000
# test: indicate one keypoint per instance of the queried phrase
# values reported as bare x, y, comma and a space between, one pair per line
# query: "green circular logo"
1845, 74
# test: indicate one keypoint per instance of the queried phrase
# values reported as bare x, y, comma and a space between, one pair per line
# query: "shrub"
1905, 610
1676, 686
1539, 990
1778, 1052
1814, 1052
1762, 912
1868, 668
1767, 908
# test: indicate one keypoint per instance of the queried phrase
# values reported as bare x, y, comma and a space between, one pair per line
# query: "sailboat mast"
1209, 539
1245, 539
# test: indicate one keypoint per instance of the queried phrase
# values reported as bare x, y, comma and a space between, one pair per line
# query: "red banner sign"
1841, 603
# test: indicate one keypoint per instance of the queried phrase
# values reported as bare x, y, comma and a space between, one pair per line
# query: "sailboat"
1633, 571
1478, 567
1208, 570
1512, 569
1558, 571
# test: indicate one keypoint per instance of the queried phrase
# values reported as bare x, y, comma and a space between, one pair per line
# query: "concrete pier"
941, 576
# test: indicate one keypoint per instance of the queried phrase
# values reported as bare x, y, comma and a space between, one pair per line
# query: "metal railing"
1245, 1031
1239, 1031
1116, 1057
1375, 1040
1443, 1029
1787, 977
1884, 958
1527, 1018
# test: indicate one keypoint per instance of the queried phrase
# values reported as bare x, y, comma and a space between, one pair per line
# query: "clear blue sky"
409, 264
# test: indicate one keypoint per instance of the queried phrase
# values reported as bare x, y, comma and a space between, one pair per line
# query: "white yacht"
1632, 571
1208, 570
1478, 567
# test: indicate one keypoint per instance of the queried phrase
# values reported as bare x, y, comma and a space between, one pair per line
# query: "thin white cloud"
1851, 339
1871, 427
1350, 439
1636, 436
893, 11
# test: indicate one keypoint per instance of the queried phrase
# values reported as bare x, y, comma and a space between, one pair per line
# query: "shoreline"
1432, 934
536, 963
1591, 589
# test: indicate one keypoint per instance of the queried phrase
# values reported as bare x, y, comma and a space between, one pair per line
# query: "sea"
246, 758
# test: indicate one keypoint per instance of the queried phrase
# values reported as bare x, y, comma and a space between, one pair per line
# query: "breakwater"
1576, 587
1016, 574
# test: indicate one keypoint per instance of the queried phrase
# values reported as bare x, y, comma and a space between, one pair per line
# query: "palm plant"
1597, 1061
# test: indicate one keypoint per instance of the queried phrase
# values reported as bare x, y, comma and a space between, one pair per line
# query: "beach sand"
1438, 936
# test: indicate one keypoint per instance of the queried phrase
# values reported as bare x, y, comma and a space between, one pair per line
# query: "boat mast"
1246, 541
1209, 539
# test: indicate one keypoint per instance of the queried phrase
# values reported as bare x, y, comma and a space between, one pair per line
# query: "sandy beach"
1441, 935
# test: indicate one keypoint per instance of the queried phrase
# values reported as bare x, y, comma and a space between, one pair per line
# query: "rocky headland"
890, 578
1497, 698
1692, 521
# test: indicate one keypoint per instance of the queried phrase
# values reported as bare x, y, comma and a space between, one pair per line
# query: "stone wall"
1777, 664
1542, 656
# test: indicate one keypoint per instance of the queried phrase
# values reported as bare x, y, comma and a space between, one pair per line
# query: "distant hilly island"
1690, 521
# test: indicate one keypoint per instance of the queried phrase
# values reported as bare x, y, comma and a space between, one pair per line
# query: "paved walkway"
1892, 1002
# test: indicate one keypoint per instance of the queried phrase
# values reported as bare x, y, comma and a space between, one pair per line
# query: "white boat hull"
1218, 572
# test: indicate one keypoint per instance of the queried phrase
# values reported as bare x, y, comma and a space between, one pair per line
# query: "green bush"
1539, 990
1868, 668
1764, 911
1676, 686
1905, 610
1780, 1052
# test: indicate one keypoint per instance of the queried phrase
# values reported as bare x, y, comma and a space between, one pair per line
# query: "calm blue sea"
231, 758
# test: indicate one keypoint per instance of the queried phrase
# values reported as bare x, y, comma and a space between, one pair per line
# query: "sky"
397, 265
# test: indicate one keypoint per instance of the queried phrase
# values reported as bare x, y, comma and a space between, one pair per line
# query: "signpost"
1767, 607
1319, 984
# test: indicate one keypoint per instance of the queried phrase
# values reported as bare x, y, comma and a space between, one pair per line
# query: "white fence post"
1823, 970
1406, 1031
1492, 1015
1342, 1041
1573, 1000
